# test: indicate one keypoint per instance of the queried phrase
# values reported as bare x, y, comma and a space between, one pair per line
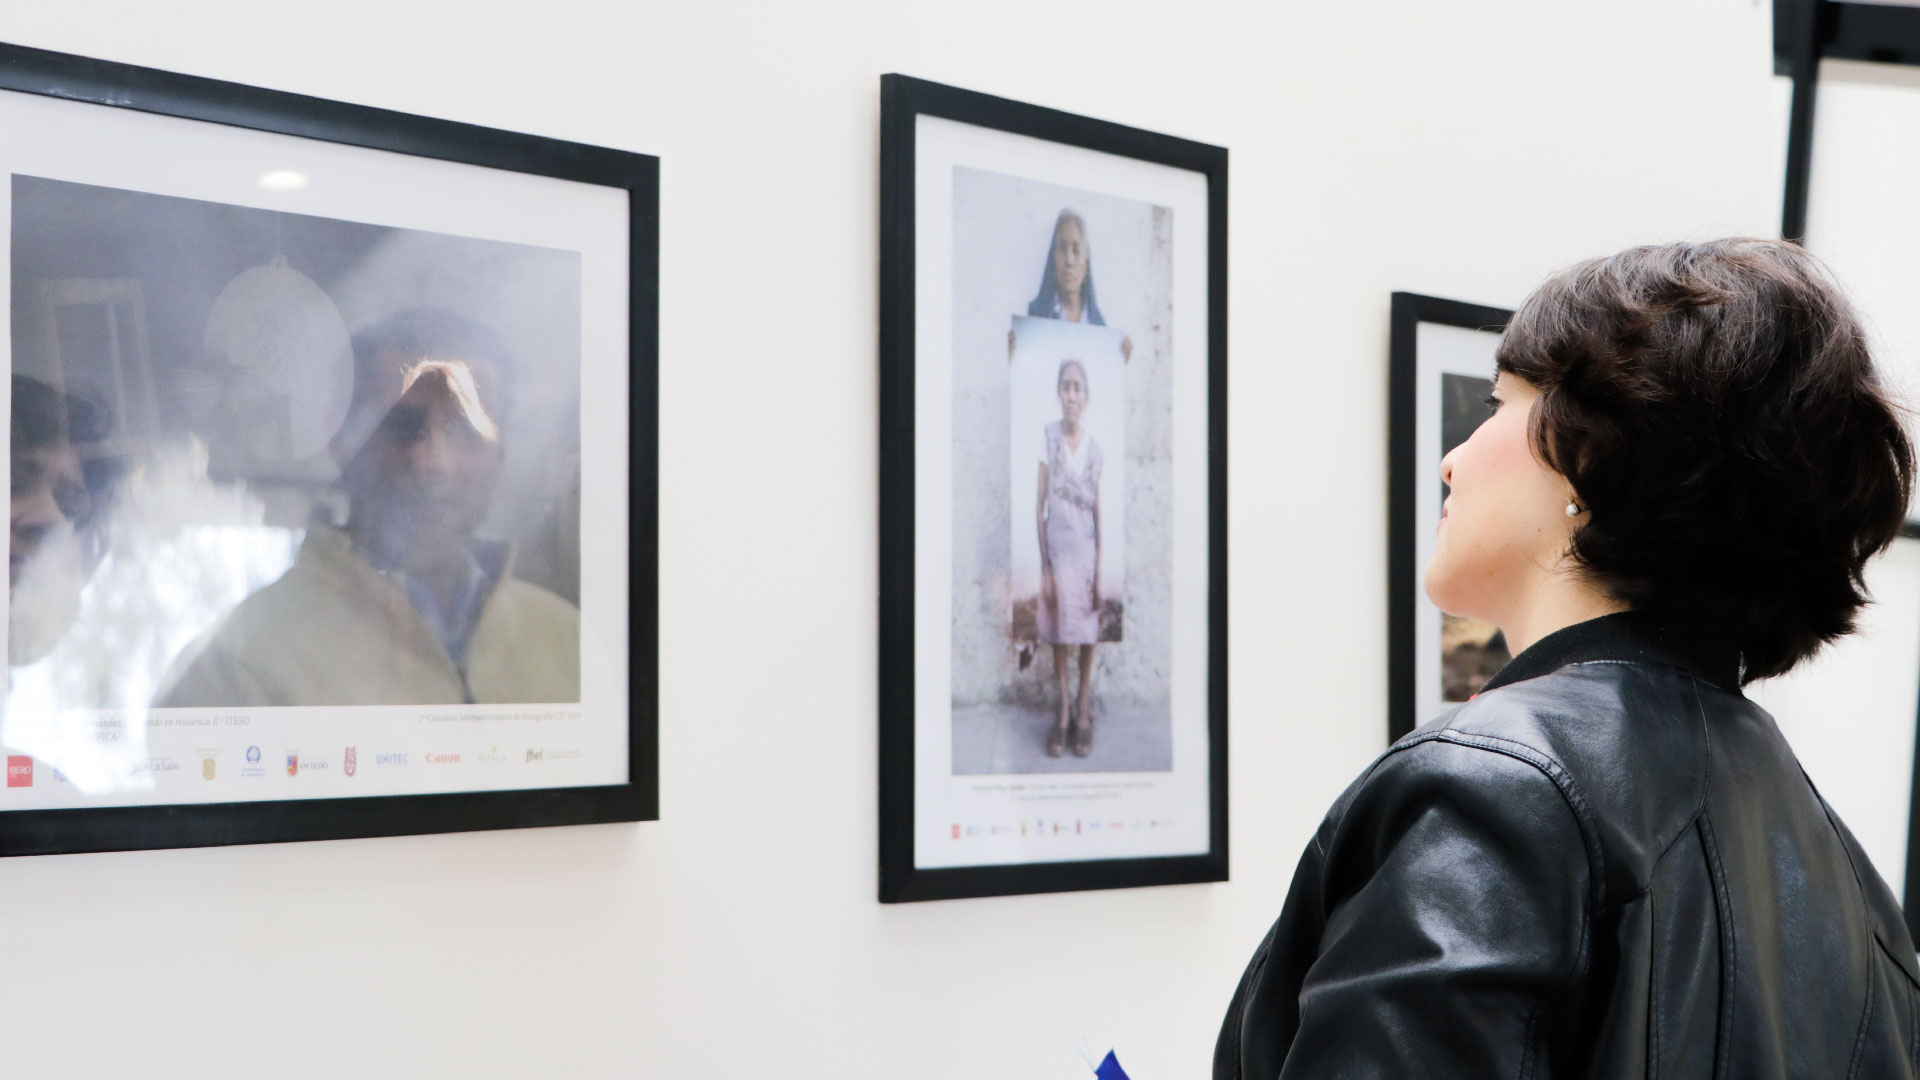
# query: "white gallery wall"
1462, 149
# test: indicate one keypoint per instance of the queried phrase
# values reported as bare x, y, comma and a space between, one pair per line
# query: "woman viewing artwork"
1609, 861
1067, 515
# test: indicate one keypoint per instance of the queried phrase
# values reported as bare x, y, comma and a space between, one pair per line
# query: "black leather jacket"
1608, 864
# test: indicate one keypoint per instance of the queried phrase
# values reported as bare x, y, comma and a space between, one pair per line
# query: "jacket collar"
1657, 639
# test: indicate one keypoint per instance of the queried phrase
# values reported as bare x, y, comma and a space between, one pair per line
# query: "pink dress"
1072, 541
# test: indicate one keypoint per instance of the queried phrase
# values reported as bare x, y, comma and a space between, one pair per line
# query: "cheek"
1491, 532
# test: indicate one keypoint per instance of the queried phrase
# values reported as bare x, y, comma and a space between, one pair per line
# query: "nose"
433, 455
1446, 467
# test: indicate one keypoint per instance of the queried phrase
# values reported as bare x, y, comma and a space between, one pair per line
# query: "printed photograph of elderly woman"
1067, 521
1062, 604
1066, 284
1066, 280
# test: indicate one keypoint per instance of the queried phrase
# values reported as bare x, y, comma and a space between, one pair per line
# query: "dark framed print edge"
1408, 311
904, 101
633, 179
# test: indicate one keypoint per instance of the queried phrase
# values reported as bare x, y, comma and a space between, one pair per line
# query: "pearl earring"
1574, 509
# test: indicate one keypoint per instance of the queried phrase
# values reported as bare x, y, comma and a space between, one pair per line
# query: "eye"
1493, 404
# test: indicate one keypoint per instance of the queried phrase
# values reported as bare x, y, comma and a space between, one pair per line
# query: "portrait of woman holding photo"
1067, 520
1066, 280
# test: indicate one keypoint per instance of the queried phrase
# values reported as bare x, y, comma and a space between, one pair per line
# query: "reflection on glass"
263, 459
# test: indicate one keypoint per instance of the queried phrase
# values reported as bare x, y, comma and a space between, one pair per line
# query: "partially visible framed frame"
1052, 500
1441, 372
334, 468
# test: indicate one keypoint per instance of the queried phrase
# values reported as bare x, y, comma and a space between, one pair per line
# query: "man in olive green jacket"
404, 606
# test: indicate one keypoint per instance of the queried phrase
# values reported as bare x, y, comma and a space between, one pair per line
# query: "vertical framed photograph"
333, 464
1441, 377
1053, 500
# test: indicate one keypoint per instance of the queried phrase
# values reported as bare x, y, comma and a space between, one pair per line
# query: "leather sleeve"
1456, 894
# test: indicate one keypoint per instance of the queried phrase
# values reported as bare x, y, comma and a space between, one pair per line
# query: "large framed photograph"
1053, 501
1441, 376
331, 435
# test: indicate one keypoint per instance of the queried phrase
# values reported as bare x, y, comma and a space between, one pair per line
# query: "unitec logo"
19, 771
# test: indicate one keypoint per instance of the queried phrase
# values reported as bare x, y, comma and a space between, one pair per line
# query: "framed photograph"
1053, 710
1441, 378
332, 443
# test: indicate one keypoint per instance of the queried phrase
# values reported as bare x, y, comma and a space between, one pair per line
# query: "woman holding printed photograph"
1066, 280
1067, 516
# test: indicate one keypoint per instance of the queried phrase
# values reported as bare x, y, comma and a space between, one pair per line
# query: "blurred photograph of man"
405, 604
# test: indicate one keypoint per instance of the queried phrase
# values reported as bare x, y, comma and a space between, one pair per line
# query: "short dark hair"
1716, 408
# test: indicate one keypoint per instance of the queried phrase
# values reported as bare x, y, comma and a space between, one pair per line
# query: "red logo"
19, 771
956, 832
443, 759
350, 763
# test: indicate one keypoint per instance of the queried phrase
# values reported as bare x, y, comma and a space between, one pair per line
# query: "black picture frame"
110, 85
903, 101
1405, 604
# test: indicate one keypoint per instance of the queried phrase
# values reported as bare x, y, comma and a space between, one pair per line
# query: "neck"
1070, 428
438, 563
1070, 306
1561, 599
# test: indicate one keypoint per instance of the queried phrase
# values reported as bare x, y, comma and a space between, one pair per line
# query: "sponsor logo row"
20, 767
1045, 827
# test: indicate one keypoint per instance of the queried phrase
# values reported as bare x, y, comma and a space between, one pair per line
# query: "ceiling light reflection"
283, 180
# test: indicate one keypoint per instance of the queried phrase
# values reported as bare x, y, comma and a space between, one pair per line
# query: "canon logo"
443, 759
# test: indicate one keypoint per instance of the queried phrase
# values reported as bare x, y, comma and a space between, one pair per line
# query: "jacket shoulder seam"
1556, 774
1860, 1037
1729, 944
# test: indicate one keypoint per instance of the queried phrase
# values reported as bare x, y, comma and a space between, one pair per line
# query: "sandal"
1056, 740
1083, 735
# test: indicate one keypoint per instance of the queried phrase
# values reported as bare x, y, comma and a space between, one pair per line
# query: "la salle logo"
350, 763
